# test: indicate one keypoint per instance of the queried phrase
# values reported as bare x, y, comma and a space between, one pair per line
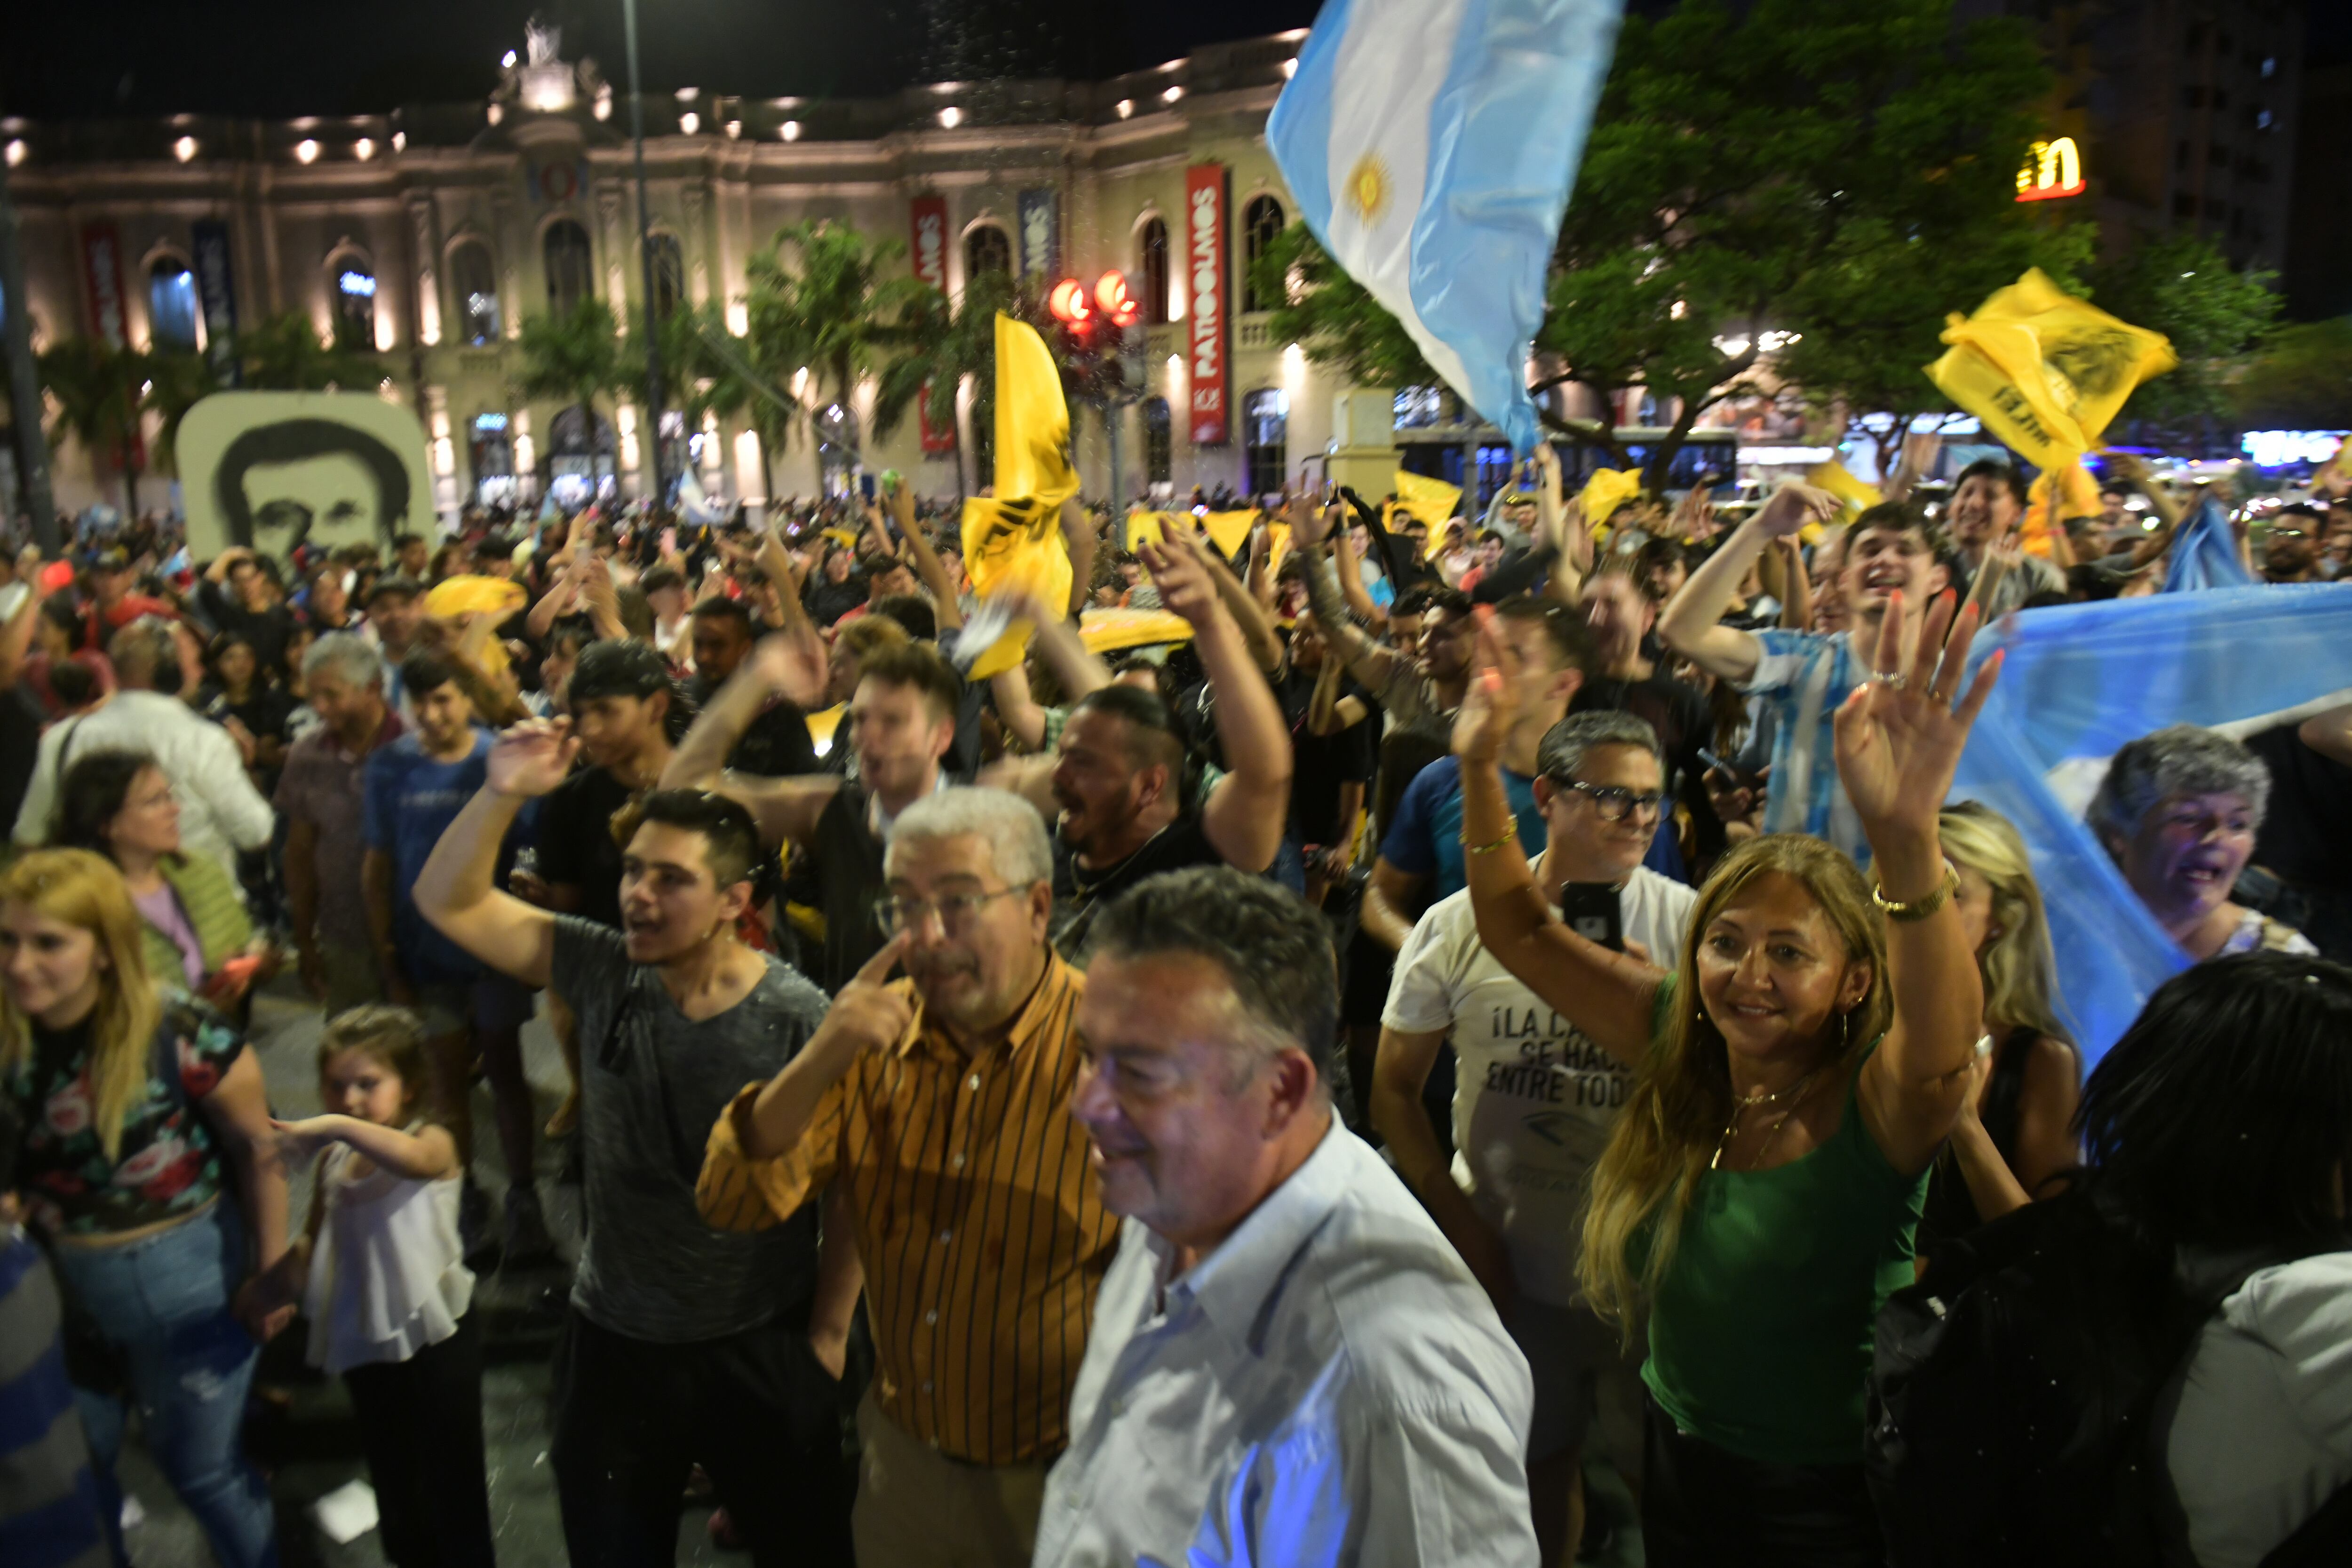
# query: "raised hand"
791, 664
1899, 736
1792, 507
533, 757
867, 1015
1183, 578
1311, 525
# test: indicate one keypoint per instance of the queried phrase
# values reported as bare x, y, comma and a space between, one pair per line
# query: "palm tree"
177, 380
283, 353
97, 387
835, 314
574, 358
713, 371
946, 341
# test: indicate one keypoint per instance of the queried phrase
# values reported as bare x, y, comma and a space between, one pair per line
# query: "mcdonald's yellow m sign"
2052, 169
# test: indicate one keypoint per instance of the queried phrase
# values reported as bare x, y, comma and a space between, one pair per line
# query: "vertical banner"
216, 294
101, 258
1041, 234
928, 244
1206, 223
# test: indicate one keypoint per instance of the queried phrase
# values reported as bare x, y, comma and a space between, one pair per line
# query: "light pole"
660, 489
25, 385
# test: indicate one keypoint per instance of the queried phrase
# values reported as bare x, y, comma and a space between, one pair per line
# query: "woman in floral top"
138, 1114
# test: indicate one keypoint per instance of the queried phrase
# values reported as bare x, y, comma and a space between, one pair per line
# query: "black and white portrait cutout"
273, 471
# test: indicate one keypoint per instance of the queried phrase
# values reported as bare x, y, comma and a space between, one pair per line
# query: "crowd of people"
1469, 1001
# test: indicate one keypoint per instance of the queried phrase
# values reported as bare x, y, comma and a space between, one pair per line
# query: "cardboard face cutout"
275, 470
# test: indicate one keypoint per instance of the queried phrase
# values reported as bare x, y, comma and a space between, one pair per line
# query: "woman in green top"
1800, 1067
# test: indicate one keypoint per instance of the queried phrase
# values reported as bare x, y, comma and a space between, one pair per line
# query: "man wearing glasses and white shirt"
1534, 1100
1289, 1364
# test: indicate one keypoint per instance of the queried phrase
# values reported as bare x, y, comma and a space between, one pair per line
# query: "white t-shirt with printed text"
1534, 1100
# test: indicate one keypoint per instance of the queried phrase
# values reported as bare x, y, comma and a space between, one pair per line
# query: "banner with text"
1207, 340
1040, 233
929, 246
217, 293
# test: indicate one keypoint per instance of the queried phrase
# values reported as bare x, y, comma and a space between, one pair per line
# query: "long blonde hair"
2019, 969
76, 887
1672, 1126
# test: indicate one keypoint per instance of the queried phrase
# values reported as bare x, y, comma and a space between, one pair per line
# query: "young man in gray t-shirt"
683, 1344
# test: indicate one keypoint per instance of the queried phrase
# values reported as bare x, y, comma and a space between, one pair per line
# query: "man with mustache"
937, 1109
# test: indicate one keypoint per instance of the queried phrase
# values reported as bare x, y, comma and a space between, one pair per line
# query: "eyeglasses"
1613, 803
955, 911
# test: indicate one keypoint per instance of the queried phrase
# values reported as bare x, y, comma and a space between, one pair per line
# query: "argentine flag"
1430, 145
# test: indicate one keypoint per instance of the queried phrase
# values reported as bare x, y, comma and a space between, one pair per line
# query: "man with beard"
2291, 550
1115, 786
683, 1344
901, 722
1422, 689
1805, 677
1988, 500
978, 1336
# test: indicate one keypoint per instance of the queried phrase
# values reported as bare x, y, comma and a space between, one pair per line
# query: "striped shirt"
979, 1220
1803, 678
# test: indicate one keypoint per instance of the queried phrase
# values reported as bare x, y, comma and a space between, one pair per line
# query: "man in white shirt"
1288, 1362
220, 811
1534, 1100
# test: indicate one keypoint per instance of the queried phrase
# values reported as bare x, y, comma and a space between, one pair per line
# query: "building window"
1153, 270
354, 304
172, 305
670, 275
570, 266
1266, 434
986, 249
1261, 223
1158, 442
489, 448
477, 285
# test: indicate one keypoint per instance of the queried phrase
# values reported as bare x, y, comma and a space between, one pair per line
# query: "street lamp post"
646, 260
25, 385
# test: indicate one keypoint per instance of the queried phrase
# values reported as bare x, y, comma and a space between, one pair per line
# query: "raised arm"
1083, 541
1243, 816
790, 664
1367, 660
945, 608
1898, 743
18, 635
456, 890
1607, 994
1249, 616
1691, 624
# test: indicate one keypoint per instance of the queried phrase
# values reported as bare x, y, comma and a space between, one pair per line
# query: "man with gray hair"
1534, 1100
937, 1109
220, 811
322, 793
2178, 811
1289, 1363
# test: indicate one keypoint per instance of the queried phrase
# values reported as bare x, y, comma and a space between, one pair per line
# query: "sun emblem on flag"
1368, 188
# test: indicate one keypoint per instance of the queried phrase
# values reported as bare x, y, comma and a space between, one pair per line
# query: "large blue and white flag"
2082, 680
1432, 145
2205, 553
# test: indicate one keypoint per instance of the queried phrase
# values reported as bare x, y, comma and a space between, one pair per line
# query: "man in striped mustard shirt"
942, 1103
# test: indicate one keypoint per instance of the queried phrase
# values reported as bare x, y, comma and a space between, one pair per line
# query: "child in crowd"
382, 1280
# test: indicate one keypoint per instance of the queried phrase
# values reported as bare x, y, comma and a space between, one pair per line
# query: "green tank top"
1761, 1334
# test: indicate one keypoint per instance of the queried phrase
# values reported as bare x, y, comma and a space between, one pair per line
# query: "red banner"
928, 244
1205, 228
101, 266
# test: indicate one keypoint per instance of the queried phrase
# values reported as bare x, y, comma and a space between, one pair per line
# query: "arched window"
1266, 439
171, 304
475, 279
570, 266
1261, 223
986, 249
1152, 268
670, 275
355, 294
1158, 441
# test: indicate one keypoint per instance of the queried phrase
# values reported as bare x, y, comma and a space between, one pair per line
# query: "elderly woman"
2178, 810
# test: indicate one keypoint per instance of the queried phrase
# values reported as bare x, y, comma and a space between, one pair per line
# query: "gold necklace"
1795, 1093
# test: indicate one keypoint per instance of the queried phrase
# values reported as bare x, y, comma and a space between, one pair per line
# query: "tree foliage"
283, 353
817, 298
574, 358
2216, 318
97, 387
2301, 379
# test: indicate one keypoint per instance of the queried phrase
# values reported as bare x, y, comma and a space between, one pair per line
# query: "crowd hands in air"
1483, 1002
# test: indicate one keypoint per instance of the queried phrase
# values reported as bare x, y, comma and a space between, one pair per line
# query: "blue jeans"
162, 1305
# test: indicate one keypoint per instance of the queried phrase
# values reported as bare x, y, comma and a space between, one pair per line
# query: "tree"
177, 381
947, 342
2300, 380
834, 312
97, 386
283, 353
1840, 174
574, 358
2179, 285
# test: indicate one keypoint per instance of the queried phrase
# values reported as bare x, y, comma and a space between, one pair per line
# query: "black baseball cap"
618, 667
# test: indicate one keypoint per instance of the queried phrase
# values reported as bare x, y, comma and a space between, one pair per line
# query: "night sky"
138, 57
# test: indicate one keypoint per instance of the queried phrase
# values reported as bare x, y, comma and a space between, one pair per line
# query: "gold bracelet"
1918, 909
1509, 834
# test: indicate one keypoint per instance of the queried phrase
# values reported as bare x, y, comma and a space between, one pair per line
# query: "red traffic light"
1067, 302
1110, 294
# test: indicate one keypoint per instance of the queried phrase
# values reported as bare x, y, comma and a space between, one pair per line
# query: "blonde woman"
2016, 1131
1798, 1069
143, 1119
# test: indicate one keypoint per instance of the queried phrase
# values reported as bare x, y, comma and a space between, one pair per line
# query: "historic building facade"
431, 234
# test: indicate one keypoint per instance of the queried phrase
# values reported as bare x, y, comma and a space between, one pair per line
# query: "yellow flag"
1015, 537
1145, 527
1605, 491
1227, 529
1432, 500
2078, 495
2045, 371
1840, 481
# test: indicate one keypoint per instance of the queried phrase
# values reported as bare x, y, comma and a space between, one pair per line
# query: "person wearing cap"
394, 606
113, 605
